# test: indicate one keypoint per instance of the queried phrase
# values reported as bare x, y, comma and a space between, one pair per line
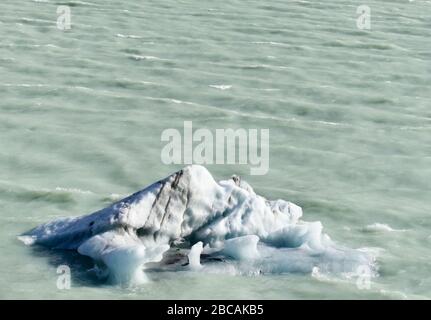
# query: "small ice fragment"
27, 240
242, 248
126, 265
195, 256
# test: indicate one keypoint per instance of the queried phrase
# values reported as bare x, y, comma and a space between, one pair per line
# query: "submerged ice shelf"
188, 221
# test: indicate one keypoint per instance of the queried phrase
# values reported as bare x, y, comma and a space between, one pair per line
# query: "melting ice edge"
189, 222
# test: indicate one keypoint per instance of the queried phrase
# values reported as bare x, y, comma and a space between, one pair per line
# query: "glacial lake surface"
348, 110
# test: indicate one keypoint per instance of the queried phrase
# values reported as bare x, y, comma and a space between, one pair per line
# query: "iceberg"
188, 221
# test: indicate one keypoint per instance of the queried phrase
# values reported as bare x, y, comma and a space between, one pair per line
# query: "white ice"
195, 256
226, 221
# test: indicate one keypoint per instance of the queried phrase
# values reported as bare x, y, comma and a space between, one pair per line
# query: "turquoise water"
82, 112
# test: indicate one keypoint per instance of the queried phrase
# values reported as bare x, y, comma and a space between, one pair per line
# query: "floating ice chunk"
126, 264
332, 260
195, 256
124, 256
242, 248
190, 207
296, 235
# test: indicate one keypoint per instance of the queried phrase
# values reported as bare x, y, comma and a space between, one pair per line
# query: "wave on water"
128, 36
381, 227
190, 222
141, 57
220, 86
